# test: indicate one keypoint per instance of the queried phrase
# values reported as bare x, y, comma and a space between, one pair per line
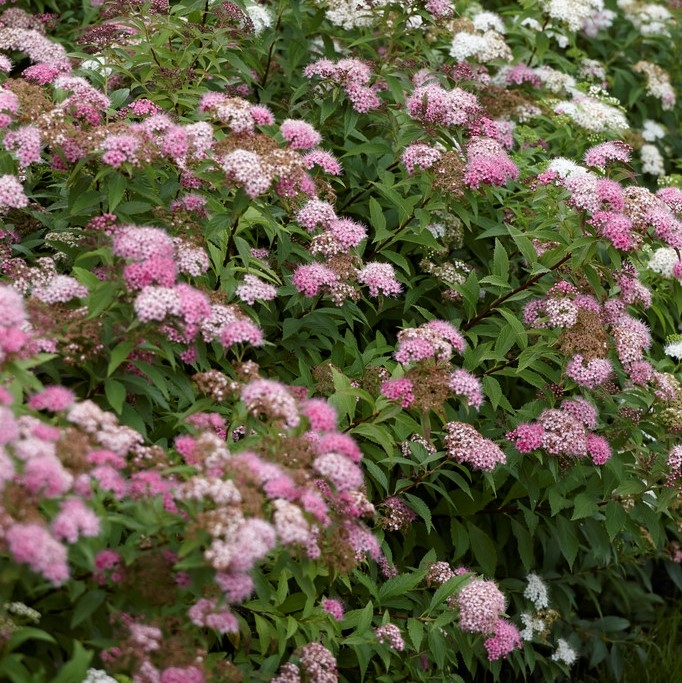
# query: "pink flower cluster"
437, 339
564, 431
465, 445
488, 164
352, 75
432, 104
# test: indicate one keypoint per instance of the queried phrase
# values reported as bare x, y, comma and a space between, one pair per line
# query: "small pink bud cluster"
391, 636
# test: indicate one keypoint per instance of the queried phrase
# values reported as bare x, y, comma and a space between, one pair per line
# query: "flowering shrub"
339, 339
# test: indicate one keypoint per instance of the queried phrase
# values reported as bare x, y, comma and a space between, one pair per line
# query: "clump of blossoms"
565, 431
429, 378
316, 665
352, 76
342, 272
465, 445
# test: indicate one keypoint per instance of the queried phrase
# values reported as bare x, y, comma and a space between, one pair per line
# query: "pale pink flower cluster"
254, 289
437, 339
480, 605
380, 279
465, 445
606, 152
420, 155
238, 114
26, 143
299, 134
390, 635
12, 322
352, 75
431, 103
12, 194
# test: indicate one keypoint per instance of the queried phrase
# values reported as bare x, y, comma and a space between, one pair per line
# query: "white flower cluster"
350, 14
593, 113
653, 131
574, 13
531, 626
19, 609
652, 160
564, 653
488, 21
536, 591
483, 47
663, 260
260, 17
98, 676
592, 69
649, 18
565, 168
555, 81
673, 347
657, 83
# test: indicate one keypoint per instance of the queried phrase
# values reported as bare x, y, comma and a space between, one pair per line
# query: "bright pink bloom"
339, 470
254, 289
320, 414
46, 475
598, 449
241, 332
299, 134
400, 389
333, 607
527, 437
53, 398
33, 545
506, 638
589, 374
316, 213
325, 160
488, 163
311, 278
237, 587
465, 445
613, 150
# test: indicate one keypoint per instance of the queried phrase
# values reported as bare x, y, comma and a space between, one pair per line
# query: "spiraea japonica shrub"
339, 338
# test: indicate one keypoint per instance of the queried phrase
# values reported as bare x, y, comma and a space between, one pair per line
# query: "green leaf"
567, 540
86, 606
116, 186
25, 633
415, 629
443, 592
116, 394
76, 668
400, 584
483, 549
584, 506
421, 508
118, 355
616, 517
500, 261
